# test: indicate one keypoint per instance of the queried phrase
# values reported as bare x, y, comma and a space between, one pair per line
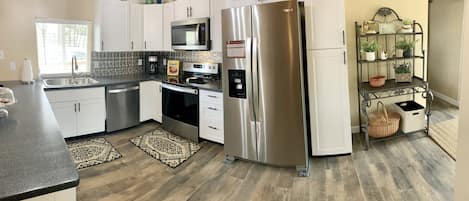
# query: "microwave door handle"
197, 34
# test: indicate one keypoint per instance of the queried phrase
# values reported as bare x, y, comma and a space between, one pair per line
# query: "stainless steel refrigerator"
264, 105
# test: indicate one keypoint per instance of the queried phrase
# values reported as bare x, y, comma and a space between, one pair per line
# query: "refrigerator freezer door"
239, 116
278, 84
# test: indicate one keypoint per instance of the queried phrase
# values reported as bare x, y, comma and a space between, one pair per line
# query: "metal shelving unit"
366, 70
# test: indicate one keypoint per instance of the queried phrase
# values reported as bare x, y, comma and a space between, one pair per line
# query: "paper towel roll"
27, 76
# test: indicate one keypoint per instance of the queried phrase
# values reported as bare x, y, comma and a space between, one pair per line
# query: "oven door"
181, 111
193, 34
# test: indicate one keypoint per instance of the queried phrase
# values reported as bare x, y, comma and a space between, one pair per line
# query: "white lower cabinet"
329, 104
211, 116
79, 111
151, 101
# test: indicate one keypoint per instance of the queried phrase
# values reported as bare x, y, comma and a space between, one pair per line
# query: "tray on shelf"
392, 85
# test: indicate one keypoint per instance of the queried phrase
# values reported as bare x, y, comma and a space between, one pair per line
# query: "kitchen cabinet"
153, 27
151, 101
111, 25
325, 24
211, 116
168, 17
188, 9
79, 111
136, 27
216, 7
329, 104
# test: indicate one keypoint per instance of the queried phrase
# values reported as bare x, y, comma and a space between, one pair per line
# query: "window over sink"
58, 41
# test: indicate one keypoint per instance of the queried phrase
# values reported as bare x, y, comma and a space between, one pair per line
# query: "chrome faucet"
74, 66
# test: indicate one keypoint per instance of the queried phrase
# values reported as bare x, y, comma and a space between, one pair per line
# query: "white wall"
462, 164
445, 47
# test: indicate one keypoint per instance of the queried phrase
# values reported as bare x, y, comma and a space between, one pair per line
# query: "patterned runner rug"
92, 152
170, 149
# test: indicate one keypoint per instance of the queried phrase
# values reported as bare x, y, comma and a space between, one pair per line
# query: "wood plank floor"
409, 168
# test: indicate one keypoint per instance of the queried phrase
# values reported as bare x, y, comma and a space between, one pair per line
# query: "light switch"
2, 55
12, 66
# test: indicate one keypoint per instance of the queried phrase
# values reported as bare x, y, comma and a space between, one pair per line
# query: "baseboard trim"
446, 98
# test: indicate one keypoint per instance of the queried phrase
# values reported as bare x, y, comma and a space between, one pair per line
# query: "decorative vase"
403, 77
370, 56
408, 53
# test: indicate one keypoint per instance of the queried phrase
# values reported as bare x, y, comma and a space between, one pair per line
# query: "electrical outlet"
12, 66
140, 62
2, 55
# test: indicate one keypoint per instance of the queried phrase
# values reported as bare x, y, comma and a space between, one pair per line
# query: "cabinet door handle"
187, 11
212, 96
79, 107
75, 105
190, 11
345, 57
132, 45
102, 45
343, 37
145, 44
161, 88
214, 128
212, 108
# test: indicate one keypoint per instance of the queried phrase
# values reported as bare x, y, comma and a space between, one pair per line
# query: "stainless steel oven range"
181, 99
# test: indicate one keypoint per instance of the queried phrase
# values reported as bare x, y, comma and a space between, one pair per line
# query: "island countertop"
34, 159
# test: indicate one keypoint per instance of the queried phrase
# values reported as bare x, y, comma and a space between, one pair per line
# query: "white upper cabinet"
136, 27
112, 25
168, 17
187, 9
325, 24
200, 8
329, 104
216, 6
153, 27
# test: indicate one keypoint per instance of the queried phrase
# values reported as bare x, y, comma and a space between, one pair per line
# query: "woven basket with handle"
383, 124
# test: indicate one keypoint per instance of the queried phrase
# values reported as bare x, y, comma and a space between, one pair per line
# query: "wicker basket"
383, 124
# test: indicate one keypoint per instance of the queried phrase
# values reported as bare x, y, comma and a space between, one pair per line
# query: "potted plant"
406, 46
407, 26
403, 73
370, 48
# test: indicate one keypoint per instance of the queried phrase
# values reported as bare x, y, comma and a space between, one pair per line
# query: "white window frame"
67, 21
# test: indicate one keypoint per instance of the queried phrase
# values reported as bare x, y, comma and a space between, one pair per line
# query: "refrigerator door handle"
255, 77
250, 79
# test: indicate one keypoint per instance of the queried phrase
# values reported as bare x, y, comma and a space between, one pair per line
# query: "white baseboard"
355, 129
446, 98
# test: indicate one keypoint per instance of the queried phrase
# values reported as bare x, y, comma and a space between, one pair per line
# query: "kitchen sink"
69, 82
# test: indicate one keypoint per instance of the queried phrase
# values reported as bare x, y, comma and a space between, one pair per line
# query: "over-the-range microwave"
192, 34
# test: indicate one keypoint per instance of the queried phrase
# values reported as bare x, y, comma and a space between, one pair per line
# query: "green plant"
405, 44
407, 22
402, 69
369, 46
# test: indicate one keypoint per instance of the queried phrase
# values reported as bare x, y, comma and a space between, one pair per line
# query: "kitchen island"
34, 159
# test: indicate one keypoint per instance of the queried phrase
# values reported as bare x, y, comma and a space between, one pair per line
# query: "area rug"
92, 152
168, 148
445, 133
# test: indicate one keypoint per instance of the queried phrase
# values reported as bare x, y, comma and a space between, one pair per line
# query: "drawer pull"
212, 108
212, 96
214, 128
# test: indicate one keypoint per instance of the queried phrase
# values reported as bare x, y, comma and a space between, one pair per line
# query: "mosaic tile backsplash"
126, 63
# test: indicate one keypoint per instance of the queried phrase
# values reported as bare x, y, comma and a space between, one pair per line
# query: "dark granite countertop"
34, 159
124, 79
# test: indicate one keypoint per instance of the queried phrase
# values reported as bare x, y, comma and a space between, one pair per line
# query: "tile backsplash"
125, 63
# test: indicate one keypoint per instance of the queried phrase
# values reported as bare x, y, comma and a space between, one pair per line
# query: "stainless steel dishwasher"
122, 106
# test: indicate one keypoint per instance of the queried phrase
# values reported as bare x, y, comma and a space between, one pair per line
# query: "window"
58, 41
